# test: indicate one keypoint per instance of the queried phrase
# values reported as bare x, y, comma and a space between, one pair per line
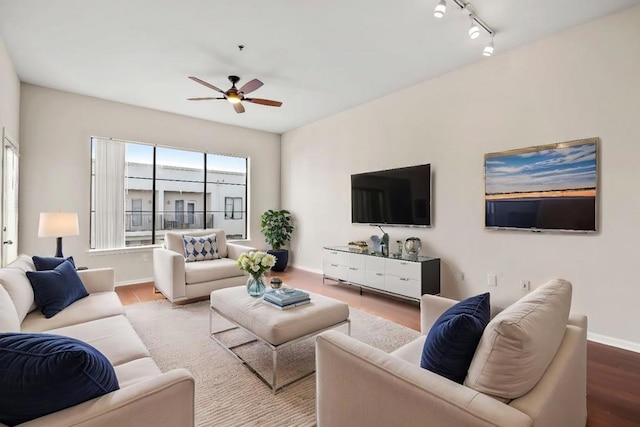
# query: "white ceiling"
317, 57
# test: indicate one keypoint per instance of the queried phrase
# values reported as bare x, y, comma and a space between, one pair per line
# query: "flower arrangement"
256, 263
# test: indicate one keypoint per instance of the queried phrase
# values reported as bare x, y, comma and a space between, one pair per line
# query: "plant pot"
282, 259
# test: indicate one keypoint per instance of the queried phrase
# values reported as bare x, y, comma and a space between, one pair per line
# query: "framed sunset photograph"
544, 188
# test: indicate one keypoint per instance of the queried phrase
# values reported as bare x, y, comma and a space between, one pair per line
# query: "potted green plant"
277, 227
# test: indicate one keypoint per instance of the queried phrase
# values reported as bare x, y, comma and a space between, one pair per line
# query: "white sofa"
358, 385
179, 280
147, 397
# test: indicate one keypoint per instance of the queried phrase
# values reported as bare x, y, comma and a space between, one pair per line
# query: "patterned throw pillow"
200, 248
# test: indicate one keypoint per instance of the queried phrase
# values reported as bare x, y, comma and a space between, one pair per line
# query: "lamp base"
59, 247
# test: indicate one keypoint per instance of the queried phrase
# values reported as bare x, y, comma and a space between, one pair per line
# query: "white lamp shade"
58, 224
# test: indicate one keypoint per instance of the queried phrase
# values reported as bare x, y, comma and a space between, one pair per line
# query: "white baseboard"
134, 281
302, 267
614, 342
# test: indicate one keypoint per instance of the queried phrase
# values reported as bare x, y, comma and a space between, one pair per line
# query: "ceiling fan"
235, 95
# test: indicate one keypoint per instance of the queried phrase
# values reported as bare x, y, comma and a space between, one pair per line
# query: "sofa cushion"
15, 282
173, 240
113, 336
24, 263
136, 370
56, 289
206, 271
43, 373
520, 342
96, 306
412, 351
453, 338
9, 321
200, 248
49, 263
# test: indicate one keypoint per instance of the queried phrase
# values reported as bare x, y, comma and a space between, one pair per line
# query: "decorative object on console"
58, 225
44, 373
277, 227
359, 246
256, 264
549, 187
384, 242
412, 247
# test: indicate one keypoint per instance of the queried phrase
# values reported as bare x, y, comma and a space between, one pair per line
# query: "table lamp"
58, 225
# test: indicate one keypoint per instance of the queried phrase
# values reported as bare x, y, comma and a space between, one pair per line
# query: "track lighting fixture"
488, 49
475, 25
474, 29
440, 9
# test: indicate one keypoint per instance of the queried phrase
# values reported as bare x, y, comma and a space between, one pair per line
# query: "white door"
9, 201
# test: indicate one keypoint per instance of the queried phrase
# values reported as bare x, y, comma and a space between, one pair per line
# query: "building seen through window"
140, 191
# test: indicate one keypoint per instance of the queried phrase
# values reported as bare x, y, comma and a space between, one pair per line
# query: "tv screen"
399, 196
545, 188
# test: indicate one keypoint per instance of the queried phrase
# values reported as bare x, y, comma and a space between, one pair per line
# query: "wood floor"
613, 374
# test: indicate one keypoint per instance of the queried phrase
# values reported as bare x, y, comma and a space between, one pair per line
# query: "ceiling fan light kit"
234, 95
475, 25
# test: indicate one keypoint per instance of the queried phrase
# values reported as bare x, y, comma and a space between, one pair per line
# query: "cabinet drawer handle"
404, 263
334, 265
404, 280
352, 268
379, 274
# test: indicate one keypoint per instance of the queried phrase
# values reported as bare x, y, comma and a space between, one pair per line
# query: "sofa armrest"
97, 279
168, 274
165, 400
234, 250
359, 385
431, 307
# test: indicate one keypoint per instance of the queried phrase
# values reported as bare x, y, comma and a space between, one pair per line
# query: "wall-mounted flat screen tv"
400, 196
545, 188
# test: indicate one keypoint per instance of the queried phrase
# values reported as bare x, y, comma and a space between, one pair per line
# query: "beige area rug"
227, 393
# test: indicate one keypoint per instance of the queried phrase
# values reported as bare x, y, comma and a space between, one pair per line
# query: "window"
139, 191
233, 208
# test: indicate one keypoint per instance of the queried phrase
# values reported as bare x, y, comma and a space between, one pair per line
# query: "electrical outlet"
492, 280
525, 285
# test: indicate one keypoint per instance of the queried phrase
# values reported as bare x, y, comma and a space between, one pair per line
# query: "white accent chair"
359, 385
179, 280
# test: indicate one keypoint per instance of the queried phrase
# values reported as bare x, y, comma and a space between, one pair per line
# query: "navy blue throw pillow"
453, 338
56, 289
44, 373
49, 263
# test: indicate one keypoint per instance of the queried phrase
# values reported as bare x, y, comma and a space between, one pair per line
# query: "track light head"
474, 29
488, 49
440, 9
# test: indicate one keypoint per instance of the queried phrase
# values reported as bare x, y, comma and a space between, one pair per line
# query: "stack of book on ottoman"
285, 298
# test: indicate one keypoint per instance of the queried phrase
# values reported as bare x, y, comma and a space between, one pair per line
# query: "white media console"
402, 277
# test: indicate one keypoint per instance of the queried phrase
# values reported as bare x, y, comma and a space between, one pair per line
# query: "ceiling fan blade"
250, 86
209, 85
203, 99
261, 101
238, 107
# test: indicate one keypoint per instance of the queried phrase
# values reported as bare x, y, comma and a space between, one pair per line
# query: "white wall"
9, 95
56, 128
579, 83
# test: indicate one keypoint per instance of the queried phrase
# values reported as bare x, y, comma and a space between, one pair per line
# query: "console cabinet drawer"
374, 279
403, 286
375, 264
404, 269
336, 257
356, 275
336, 271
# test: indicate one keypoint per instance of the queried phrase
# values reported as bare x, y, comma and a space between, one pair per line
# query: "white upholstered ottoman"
275, 328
